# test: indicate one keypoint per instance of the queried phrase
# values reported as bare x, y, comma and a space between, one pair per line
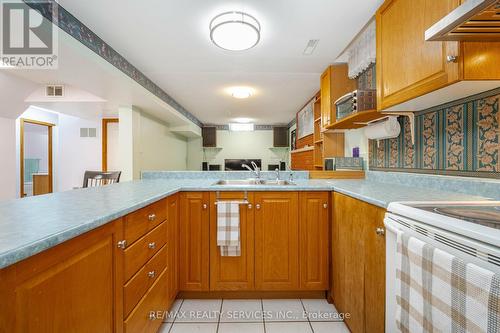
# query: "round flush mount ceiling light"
235, 31
241, 92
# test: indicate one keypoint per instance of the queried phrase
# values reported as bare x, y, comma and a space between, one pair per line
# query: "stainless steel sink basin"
248, 182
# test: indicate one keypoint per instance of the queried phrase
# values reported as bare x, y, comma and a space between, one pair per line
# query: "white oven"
474, 237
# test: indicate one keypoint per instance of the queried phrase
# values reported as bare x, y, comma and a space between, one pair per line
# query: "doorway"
110, 130
35, 144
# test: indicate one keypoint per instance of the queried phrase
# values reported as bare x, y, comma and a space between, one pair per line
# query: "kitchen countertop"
30, 225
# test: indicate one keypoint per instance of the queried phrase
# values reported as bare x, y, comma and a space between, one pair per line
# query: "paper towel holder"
385, 115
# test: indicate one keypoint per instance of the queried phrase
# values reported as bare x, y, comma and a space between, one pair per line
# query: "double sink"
252, 182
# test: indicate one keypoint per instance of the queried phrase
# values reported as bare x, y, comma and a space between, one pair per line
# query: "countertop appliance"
357, 100
467, 230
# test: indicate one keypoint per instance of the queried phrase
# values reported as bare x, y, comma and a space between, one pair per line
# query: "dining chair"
100, 178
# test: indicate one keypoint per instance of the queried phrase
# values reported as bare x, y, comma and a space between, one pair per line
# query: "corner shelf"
356, 120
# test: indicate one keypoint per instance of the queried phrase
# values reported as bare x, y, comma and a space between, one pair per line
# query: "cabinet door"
374, 268
313, 231
407, 65
358, 263
194, 242
233, 273
326, 98
73, 287
173, 246
276, 241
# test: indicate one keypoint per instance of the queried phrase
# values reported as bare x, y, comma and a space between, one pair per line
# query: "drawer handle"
151, 274
152, 245
151, 217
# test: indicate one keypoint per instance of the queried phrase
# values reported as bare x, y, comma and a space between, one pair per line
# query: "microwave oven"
357, 100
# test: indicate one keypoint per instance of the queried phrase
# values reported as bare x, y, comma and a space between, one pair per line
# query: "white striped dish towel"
438, 292
228, 228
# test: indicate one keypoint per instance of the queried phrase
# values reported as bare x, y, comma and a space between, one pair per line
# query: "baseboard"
321, 294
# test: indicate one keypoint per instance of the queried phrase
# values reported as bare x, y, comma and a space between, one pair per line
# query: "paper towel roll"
387, 129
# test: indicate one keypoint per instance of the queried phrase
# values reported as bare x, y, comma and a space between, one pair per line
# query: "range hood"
474, 20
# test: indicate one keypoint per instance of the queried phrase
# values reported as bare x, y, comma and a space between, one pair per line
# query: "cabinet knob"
249, 206
205, 206
257, 206
122, 244
151, 274
451, 58
325, 205
380, 231
151, 217
152, 245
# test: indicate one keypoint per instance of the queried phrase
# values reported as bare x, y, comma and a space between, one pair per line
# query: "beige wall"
8, 188
147, 143
252, 145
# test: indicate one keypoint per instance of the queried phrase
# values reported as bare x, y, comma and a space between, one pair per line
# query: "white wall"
244, 145
8, 168
76, 154
356, 138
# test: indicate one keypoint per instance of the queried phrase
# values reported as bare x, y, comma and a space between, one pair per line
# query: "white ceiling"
169, 42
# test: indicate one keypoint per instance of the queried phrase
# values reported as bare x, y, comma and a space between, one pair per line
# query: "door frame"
105, 122
22, 121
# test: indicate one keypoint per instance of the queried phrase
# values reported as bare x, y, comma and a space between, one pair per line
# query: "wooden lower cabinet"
358, 263
276, 241
313, 232
194, 241
173, 246
233, 273
72, 287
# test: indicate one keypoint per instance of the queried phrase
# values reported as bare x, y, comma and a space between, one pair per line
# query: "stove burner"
475, 214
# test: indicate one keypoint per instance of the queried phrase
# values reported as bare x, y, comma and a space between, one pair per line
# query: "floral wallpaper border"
461, 138
75, 28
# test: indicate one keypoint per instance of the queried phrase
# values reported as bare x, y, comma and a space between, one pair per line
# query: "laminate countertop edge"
31, 225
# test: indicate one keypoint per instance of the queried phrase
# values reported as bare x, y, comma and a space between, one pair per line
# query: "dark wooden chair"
99, 178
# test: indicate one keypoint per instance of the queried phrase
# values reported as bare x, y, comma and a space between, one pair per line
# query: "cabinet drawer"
143, 280
138, 223
143, 318
142, 250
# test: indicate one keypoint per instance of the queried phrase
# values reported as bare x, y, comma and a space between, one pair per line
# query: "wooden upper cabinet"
313, 233
409, 67
194, 241
334, 84
276, 241
233, 273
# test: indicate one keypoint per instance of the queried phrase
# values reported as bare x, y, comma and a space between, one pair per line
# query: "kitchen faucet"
256, 169
277, 174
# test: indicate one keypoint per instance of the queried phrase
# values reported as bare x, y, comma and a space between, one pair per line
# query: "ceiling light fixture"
241, 92
235, 31
241, 127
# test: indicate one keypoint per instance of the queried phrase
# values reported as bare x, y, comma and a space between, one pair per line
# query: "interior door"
35, 158
233, 273
276, 241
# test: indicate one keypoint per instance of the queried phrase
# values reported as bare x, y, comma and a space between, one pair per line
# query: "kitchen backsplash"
461, 138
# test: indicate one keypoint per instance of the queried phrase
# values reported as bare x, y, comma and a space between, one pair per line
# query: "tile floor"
253, 316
